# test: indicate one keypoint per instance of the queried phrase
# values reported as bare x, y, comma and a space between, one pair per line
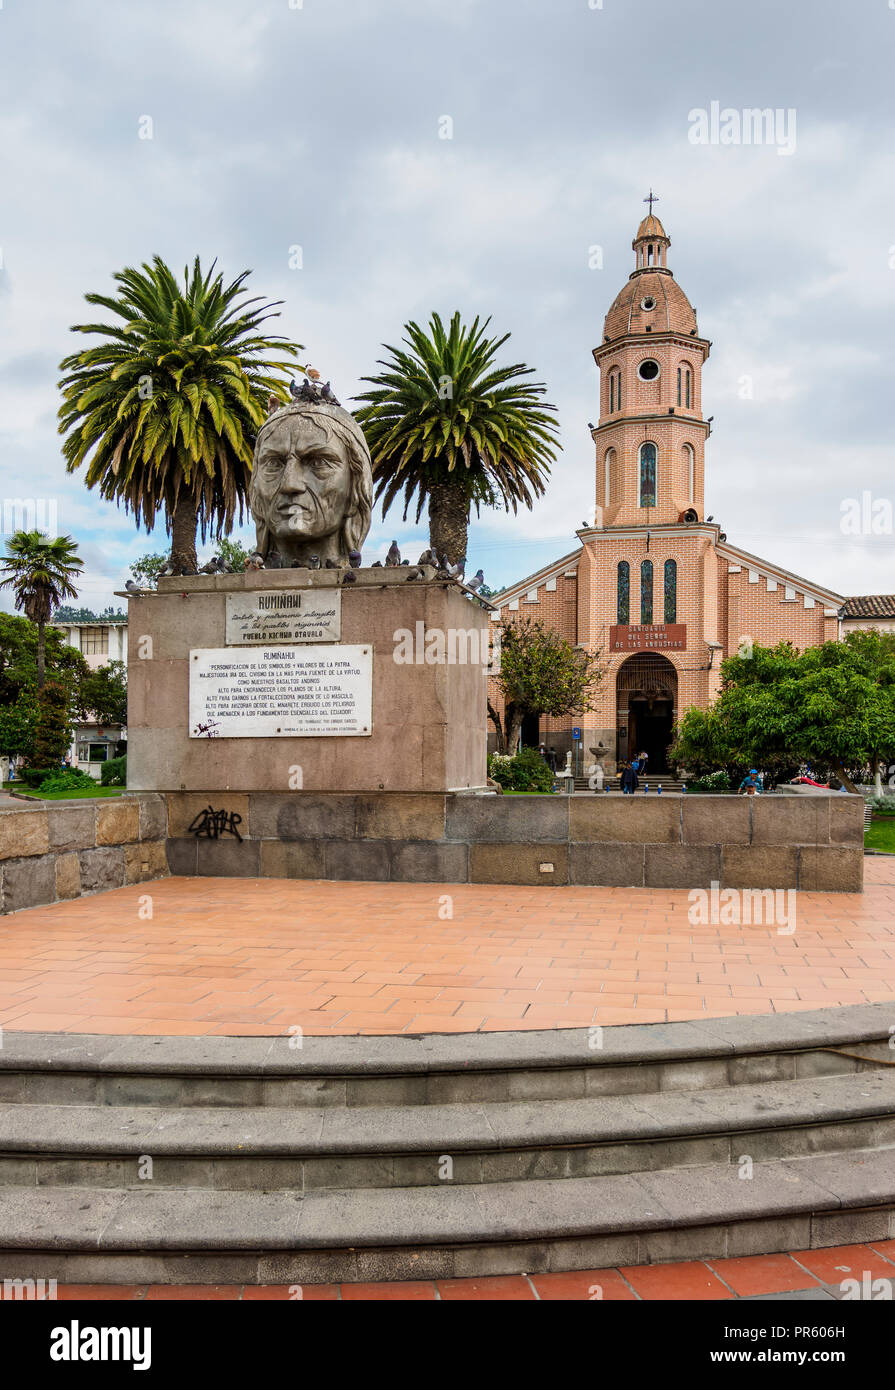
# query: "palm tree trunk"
41, 652
183, 532
448, 521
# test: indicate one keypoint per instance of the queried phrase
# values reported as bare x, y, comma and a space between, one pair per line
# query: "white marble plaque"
284, 615
281, 692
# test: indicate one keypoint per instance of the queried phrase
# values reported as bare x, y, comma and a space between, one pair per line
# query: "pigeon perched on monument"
393, 557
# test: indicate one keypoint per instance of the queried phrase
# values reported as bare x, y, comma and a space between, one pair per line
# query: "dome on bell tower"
649, 228
652, 301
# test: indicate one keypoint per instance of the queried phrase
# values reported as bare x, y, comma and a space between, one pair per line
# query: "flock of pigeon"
429, 559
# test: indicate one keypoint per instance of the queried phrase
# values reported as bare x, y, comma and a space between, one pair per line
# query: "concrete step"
654, 780
83, 1235
216, 1160
437, 1069
266, 1148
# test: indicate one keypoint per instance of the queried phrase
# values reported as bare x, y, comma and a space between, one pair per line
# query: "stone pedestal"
429, 646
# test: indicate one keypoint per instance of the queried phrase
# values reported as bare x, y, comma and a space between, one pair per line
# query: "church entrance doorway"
531, 731
646, 705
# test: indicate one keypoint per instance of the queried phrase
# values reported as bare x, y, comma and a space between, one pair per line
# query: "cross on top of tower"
651, 199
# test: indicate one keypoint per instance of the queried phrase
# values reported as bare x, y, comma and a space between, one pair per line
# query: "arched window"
648, 457
607, 476
624, 593
615, 391
646, 592
679, 376
690, 462
689, 376
671, 591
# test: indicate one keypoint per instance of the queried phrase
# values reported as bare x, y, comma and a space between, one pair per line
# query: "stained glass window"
647, 475
671, 591
624, 592
646, 592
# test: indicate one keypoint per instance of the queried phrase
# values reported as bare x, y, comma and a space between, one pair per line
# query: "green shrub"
114, 772
526, 771
68, 779
33, 776
715, 782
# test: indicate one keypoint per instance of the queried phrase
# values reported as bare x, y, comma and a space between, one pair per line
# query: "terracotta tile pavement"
247, 956
690, 1281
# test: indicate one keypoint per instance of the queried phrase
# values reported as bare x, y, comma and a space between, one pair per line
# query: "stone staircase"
669, 785
218, 1160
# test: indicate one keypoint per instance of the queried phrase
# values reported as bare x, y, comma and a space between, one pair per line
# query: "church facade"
654, 585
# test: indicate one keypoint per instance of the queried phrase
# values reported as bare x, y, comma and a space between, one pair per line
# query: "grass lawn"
881, 834
35, 794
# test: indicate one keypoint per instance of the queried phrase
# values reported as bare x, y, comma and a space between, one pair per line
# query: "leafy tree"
832, 705
448, 426
52, 732
147, 569
234, 553
103, 694
40, 572
164, 410
18, 658
18, 721
67, 614
540, 673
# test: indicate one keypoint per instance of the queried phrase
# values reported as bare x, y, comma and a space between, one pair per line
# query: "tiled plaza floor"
804, 1274
246, 956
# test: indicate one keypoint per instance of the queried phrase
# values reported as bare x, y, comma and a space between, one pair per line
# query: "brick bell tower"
648, 573
650, 440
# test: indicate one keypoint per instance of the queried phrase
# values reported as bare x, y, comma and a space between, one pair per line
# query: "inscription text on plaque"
281, 692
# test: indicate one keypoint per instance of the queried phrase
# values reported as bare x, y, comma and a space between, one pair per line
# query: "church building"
654, 585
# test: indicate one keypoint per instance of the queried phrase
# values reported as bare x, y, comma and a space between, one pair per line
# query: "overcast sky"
318, 124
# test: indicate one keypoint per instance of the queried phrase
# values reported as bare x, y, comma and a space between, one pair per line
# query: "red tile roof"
869, 606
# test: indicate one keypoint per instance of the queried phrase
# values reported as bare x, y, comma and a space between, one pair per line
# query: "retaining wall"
815, 843
54, 850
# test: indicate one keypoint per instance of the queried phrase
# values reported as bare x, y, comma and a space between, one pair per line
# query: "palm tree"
447, 424
40, 572
164, 410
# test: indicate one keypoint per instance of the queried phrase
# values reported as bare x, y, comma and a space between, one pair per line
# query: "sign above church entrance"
648, 637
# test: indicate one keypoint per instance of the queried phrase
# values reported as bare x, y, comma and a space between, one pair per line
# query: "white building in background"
870, 612
101, 641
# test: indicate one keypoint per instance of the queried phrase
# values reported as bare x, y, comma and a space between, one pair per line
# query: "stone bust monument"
311, 492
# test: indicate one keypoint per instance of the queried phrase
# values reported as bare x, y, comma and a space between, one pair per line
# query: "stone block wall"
813, 843
54, 850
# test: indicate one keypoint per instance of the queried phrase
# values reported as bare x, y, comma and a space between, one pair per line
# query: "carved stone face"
301, 490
